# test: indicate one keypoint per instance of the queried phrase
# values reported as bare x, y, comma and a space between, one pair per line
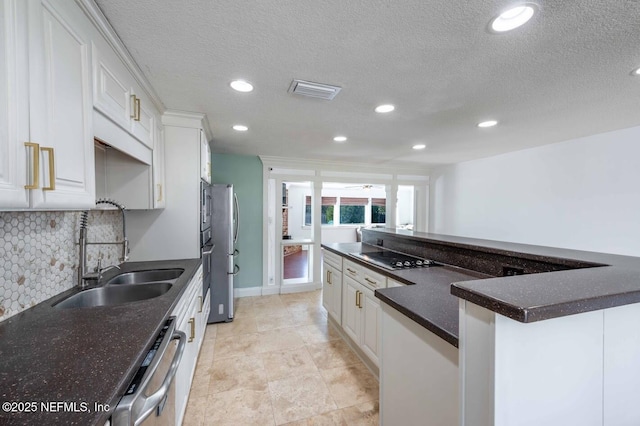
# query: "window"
378, 210
326, 210
352, 210
307, 211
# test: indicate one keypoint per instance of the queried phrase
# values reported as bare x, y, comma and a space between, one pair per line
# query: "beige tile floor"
280, 362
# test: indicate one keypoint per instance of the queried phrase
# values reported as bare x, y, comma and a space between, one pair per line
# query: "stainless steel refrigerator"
225, 225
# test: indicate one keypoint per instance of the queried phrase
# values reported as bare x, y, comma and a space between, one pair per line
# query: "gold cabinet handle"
201, 304
137, 102
192, 321
159, 192
133, 107
360, 301
351, 270
358, 298
375, 283
35, 184
329, 277
52, 170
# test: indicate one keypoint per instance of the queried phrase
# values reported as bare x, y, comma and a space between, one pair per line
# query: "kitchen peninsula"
505, 333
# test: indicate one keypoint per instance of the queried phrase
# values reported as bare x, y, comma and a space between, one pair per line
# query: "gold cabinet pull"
351, 270
329, 277
375, 283
35, 184
137, 102
133, 107
192, 321
159, 185
52, 170
201, 304
358, 298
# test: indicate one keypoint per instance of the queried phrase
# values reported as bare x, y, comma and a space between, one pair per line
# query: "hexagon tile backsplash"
39, 253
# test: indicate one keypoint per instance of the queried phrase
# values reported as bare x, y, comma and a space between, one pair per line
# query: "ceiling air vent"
314, 90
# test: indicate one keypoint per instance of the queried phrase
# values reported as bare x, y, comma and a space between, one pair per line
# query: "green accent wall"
245, 173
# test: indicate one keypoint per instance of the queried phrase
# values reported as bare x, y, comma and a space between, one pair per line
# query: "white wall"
583, 194
405, 210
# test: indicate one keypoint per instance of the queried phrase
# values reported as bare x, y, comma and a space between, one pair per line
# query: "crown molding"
93, 11
194, 120
340, 166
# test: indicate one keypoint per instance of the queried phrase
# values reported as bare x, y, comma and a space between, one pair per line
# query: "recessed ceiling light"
382, 109
488, 123
340, 139
419, 146
240, 128
636, 71
512, 18
241, 86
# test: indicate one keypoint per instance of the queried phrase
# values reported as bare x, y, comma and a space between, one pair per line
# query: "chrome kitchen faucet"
83, 276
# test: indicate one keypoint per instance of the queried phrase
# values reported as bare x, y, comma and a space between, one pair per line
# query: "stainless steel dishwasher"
150, 398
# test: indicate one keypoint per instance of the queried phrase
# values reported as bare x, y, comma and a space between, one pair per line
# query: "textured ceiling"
565, 74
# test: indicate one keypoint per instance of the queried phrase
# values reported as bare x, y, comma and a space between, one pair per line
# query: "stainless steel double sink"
124, 288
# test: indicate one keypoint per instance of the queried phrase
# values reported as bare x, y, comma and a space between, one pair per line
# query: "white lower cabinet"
361, 317
332, 291
191, 313
370, 327
348, 296
351, 316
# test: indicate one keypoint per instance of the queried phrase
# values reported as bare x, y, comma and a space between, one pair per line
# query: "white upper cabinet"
118, 96
205, 158
14, 105
61, 104
159, 188
48, 133
143, 118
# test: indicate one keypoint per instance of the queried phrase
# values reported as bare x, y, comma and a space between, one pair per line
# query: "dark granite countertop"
82, 355
427, 299
536, 297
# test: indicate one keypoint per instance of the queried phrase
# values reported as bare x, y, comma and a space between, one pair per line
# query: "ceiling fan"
365, 187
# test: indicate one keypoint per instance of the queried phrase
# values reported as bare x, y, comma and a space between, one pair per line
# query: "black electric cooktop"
392, 260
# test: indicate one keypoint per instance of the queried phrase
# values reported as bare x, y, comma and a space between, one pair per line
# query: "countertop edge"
443, 334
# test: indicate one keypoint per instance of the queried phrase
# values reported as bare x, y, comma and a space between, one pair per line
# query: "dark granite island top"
80, 355
579, 281
426, 299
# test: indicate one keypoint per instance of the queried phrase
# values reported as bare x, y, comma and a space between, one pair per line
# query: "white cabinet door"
159, 188
336, 304
332, 292
60, 102
327, 288
370, 331
350, 310
143, 118
14, 104
184, 375
205, 158
111, 91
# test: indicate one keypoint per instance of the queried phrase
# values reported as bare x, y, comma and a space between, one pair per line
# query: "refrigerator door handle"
236, 212
236, 269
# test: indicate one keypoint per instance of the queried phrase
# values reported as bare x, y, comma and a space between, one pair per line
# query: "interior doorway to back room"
297, 234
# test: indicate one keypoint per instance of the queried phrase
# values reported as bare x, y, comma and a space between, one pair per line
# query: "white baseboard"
298, 288
264, 291
274, 289
247, 291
